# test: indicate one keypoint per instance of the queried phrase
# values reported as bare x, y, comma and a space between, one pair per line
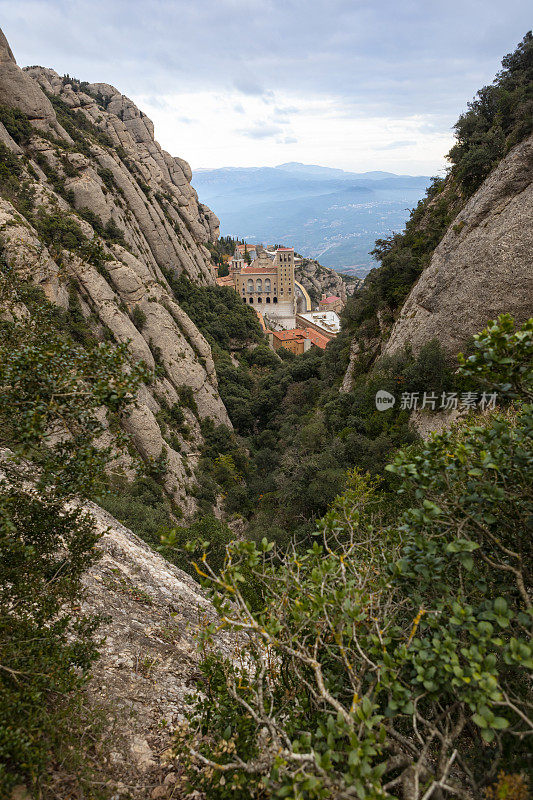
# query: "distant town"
264, 277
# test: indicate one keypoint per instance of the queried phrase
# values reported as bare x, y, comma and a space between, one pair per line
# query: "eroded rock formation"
319, 280
148, 661
87, 157
481, 268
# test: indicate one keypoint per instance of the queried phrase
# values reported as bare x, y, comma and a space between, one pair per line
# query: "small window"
275, 299
251, 299
268, 299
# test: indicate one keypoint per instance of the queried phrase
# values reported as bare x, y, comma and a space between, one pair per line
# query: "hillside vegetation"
391, 656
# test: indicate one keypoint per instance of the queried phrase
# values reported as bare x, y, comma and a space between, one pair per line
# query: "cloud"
261, 130
397, 145
351, 78
251, 87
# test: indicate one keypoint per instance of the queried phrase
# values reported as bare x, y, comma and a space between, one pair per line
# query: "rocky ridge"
319, 280
481, 268
148, 660
87, 158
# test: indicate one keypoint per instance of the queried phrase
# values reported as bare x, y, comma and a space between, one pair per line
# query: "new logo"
384, 400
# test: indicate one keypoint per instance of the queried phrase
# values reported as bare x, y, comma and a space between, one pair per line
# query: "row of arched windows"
258, 285
251, 300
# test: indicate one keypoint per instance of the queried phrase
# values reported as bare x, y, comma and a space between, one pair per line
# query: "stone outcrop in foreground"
148, 661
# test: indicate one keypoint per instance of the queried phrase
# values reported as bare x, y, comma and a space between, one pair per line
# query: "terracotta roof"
288, 249
331, 299
292, 333
316, 338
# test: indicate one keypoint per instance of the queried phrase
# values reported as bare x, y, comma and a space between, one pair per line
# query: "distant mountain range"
328, 214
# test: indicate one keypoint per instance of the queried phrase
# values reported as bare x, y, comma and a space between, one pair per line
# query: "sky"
355, 84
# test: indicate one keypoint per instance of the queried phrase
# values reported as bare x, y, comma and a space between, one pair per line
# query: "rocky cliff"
148, 660
481, 268
97, 214
319, 280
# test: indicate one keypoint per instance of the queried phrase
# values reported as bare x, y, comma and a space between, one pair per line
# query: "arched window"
251, 299
267, 284
268, 299
259, 285
250, 285
275, 299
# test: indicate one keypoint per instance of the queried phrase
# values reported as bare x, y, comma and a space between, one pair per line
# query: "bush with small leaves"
51, 392
391, 656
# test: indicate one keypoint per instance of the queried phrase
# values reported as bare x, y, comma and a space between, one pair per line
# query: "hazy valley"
327, 214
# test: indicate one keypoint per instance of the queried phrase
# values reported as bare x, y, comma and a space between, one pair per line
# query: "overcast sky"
356, 84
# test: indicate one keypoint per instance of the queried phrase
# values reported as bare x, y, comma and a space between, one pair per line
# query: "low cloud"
261, 131
397, 145
252, 88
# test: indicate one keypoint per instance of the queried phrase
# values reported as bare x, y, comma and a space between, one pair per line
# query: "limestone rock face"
161, 216
481, 268
140, 220
18, 91
319, 280
148, 661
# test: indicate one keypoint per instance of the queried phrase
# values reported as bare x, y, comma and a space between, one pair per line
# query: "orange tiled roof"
292, 333
316, 338
331, 299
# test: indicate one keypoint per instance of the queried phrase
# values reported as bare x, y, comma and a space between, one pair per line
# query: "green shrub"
140, 505
47, 647
17, 124
186, 395
49, 386
112, 233
107, 177
390, 647
138, 317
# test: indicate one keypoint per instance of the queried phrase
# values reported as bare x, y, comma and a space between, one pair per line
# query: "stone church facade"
268, 284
